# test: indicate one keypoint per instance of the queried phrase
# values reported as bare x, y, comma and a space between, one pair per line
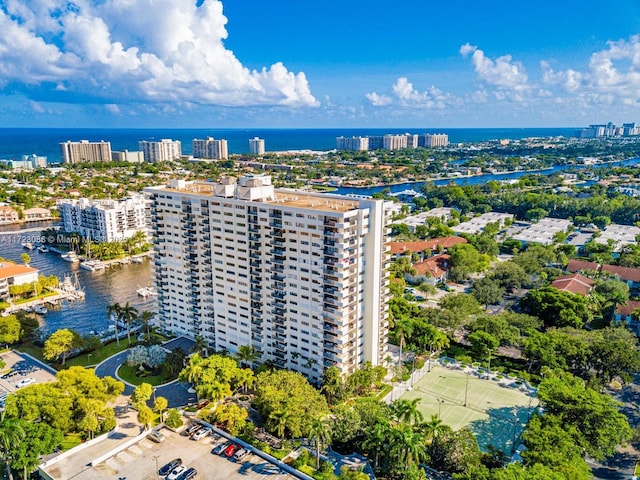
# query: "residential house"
574, 283
8, 215
433, 246
582, 266
631, 276
37, 214
625, 314
14, 274
433, 270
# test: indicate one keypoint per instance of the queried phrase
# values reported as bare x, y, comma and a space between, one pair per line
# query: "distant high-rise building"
135, 156
210, 148
352, 143
394, 142
162, 151
436, 140
85, 151
376, 142
256, 146
412, 140
630, 129
300, 277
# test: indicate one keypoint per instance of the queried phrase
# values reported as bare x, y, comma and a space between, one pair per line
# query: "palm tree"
403, 328
128, 313
11, 434
407, 411
320, 433
279, 420
246, 354
114, 310
199, 346
407, 447
376, 440
433, 428
145, 317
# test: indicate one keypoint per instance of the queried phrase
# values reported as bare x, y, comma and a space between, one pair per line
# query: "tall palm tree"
407, 411
246, 354
199, 346
11, 434
433, 428
114, 311
407, 447
145, 317
403, 328
128, 313
320, 434
279, 420
376, 440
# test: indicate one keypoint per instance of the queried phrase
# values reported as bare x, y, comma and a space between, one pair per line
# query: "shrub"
174, 419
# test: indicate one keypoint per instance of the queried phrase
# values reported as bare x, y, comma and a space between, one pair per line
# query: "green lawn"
128, 374
32, 350
97, 355
71, 440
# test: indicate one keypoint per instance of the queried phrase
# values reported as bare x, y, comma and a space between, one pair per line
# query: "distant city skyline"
245, 63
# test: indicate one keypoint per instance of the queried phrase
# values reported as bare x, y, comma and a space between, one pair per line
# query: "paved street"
176, 393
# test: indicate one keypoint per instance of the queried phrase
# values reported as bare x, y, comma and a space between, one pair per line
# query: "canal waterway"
116, 284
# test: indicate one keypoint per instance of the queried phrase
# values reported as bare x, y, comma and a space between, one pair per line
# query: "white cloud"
136, 51
613, 74
405, 95
502, 72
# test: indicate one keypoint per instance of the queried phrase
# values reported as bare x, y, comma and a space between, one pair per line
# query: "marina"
83, 295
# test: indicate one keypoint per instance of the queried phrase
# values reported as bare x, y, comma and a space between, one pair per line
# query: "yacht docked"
92, 265
70, 257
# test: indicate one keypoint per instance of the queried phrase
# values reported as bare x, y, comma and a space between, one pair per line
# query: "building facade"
136, 156
85, 151
240, 263
8, 215
357, 144
256, 146
105, 220
210, 148
163, 151
13, 274
432, 140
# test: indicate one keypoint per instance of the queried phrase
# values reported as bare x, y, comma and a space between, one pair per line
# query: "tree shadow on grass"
502, 429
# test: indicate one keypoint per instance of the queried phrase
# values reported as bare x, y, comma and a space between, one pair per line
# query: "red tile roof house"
624, 313
626, 274
582, 266
433, 245
574, 283
433, 270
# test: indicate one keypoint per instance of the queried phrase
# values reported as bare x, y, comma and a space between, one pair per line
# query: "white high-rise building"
394, 142
85, 151
105, 220
162, 151
357, 144
210, 148
300, 277
256, 146
432, 140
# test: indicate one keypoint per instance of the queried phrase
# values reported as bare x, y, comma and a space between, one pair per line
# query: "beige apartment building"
301, 277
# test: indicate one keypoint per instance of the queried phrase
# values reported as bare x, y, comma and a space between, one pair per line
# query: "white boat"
137, 260
28, 245
92, 265
145, 292
39, 309
43, 249
70, 257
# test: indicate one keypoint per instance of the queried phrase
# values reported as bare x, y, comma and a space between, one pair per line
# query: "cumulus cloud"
612, 74
406, 95
136, 51
502, 72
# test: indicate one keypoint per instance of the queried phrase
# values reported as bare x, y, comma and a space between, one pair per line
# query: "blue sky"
247, 63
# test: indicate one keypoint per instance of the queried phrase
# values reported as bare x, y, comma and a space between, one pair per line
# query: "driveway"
176, 393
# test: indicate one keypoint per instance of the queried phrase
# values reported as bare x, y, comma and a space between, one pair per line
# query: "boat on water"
145, 292
70, 257
39, 309
28, 245
43, 249
92, 265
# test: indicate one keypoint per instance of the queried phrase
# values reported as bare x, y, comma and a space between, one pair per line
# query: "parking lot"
19, 368
142, 460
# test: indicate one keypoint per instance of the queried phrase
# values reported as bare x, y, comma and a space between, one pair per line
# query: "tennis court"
496, 409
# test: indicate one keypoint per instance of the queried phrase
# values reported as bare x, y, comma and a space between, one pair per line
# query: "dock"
59, 296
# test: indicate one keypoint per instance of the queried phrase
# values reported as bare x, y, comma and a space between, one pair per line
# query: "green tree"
232, 417
484, 344
407, 411
141, 395
487, 291
145, 317
12, 433
246, 355
114, 311
557, 308
174, 419
39, 439
128, 313
319, 433
10, 329
402, 328
160, 405
60, 344
145, 415
465, 260
332, 384
26, 259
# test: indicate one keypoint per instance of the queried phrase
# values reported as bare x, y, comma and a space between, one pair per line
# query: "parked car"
200, 434
221, 447
189, 474
202, 403
25, 381
193, 428
168, 468
231, 450
156, 436
240, 454
176, 472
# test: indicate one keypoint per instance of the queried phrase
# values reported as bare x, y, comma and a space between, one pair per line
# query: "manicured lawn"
97, 355
71, 440
128, 374
34, 351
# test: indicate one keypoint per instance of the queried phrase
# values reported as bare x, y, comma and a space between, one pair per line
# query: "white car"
24, 382
200, 434
176, 472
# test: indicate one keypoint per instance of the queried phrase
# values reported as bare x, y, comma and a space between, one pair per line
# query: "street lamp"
89, 355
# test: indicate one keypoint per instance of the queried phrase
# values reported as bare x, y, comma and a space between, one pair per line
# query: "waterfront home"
37, 214
14, 274
8, 215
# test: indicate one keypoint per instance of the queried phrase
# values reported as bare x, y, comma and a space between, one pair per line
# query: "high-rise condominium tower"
300, 277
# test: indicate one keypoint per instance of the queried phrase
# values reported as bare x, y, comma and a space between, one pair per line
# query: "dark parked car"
166, 470
189, 474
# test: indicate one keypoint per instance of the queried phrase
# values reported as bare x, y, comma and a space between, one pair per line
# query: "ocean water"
15, 142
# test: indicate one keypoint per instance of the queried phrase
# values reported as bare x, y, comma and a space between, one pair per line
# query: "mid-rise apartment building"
256, 146
210, 148
105, 220
162, 151
394, 142
300, 277
85, 151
